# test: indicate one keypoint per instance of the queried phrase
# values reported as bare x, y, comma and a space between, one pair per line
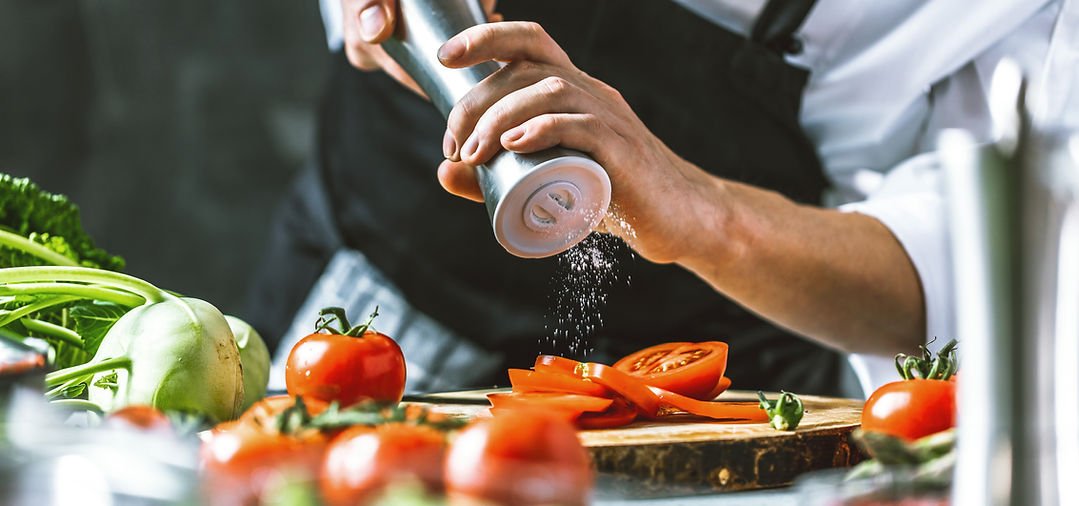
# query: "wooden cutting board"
692, 454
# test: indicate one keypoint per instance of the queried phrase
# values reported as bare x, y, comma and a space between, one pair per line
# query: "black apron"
724, 102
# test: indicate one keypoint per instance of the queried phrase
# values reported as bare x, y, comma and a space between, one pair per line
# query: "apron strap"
777, 22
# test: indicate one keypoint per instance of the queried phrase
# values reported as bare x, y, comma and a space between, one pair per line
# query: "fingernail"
470, 147
449, 145
372, 19
513, 135
451, 50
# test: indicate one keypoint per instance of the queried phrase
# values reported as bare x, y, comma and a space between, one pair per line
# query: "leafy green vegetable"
173, 353
49, 221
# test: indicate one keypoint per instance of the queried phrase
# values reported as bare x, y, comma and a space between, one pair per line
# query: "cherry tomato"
140, 417
361, 461
520, 457
545, 381
334, 367
910, 409
690, 369
240, 461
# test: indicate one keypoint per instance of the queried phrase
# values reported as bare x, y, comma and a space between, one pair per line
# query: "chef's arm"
840, 278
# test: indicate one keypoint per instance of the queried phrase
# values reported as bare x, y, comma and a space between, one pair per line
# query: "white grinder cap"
554, 206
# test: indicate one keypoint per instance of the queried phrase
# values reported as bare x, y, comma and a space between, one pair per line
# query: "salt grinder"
539, 204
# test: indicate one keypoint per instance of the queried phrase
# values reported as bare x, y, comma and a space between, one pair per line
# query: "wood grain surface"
687, 454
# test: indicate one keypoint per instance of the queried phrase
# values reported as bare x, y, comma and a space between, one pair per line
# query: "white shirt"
885, 78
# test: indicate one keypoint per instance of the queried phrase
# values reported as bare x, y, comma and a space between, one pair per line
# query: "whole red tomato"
241, 460
361, 461
519, 457
910, 409
347, 366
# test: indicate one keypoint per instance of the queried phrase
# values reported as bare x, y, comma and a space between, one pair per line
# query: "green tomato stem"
16, 241
39, 274
53, 330
78, 404
88, 369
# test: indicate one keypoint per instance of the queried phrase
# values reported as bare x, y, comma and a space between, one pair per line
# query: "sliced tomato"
690, 369
552, 363
722, 386
572, 405
524, 381
629, 387
620, 414
718, 410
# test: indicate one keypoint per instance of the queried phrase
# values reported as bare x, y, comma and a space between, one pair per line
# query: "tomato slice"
572, 404
690, 369
620, 414
750, 411
629, 387
524, 381
552, 363
722, 386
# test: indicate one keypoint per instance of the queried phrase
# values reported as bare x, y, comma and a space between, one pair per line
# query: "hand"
539, 100
368, 23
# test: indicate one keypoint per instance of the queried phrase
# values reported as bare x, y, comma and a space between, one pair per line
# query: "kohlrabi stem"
57, 390
78, 290
78, 404
90, 368
25, 245
39, 274
53, 330
28, 309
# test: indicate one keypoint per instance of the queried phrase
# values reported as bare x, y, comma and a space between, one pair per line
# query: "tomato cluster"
524, 457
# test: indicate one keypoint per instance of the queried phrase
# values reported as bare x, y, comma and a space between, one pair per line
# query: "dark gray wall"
174, 125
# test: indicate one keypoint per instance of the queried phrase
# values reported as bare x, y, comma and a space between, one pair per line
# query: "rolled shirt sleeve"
910, 202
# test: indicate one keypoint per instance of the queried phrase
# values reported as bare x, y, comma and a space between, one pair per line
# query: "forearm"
839, 278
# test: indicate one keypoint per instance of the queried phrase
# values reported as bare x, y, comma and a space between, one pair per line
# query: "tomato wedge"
750, 411
524, 381
690, 369
571, 405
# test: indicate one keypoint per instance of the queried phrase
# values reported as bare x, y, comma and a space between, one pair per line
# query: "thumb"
460, 179
377, 20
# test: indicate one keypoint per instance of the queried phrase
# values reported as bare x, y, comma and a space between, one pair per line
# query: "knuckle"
555, 85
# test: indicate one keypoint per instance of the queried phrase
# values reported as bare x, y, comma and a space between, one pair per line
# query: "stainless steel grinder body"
539, 204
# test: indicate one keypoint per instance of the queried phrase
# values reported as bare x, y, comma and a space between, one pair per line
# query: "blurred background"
175, 126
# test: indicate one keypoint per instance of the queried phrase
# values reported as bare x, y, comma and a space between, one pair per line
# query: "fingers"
507, 41
549, 95
460, 179
580, 131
